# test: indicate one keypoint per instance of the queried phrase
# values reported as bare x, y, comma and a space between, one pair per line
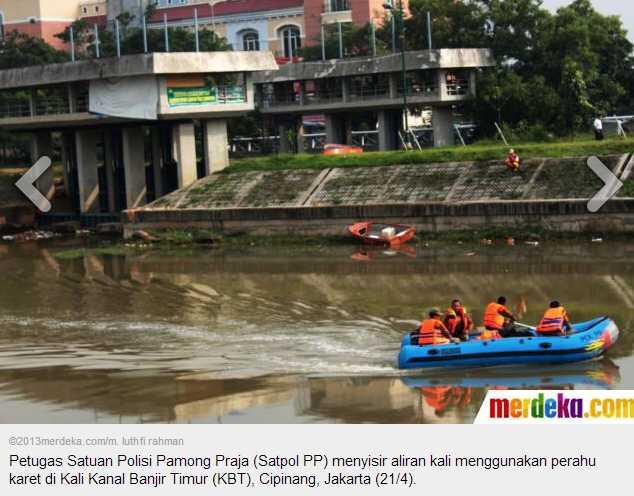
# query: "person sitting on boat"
432, 331
497, 320
457, 321
555, 321
513, 161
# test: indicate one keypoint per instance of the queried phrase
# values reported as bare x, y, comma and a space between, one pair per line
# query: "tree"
357, 42
553, 70
21, 50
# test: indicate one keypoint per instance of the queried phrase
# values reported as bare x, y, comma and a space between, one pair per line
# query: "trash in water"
29, 236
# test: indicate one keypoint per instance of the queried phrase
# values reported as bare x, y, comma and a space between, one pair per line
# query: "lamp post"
400, 13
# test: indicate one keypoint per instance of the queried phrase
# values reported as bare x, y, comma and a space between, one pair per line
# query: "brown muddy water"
277, 335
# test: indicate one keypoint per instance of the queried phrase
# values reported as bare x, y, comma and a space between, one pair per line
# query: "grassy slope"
477, 152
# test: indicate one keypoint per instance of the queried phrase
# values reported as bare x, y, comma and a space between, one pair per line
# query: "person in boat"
555, 321
498, 320
457, 321
433, 332
513, 160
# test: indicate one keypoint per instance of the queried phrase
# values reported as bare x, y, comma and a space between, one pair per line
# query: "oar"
526, 326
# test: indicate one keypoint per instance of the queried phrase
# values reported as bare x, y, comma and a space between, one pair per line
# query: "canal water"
277, 335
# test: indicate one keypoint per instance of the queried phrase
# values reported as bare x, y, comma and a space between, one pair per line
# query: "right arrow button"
612, 185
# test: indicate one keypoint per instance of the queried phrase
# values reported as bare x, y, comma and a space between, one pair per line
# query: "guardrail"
15, 108
370, 93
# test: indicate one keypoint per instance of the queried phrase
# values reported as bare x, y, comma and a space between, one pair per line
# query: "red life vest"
430, 333
553, 321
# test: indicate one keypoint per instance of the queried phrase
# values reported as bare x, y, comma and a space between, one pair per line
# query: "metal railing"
259, 145
51, 105
459, 87
323, 97
369, 92
15, 108
368, 140
419, 90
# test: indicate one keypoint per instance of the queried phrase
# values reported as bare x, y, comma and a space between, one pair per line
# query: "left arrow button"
26, 184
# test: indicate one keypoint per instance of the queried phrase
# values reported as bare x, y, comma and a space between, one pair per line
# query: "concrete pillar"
286, 143
333, 129
184, 151
133, 141
345, 89
109, 164
394, 84
301, 140
216, 143
442, 121
72, 98
388, 128
442, 84
157, 162
42, 146
87, 170
66, 137
347, 123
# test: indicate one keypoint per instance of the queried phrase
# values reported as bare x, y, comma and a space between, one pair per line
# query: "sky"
624, 8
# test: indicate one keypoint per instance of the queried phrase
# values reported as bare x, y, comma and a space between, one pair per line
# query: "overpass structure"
128, 124
345, 89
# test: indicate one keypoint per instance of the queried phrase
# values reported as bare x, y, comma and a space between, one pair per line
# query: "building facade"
39, 18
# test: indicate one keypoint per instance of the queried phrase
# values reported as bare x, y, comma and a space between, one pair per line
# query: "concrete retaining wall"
561, 216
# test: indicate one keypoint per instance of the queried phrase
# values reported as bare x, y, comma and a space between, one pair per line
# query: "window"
96, 9
291, 41
339, 5
84, 9
251, 41
1, 26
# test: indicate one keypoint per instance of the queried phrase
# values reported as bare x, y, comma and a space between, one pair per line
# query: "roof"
230, 7
100, 20
445, 58
147, 64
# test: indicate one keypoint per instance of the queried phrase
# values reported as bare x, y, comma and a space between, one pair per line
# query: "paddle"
526, 326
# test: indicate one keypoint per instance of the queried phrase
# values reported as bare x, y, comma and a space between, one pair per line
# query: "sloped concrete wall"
551, 194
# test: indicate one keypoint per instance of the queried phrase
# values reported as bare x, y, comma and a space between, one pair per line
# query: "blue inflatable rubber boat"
587, 341
603, 373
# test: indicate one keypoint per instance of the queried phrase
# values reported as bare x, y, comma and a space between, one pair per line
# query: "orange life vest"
553, 321
492, 317
453, 320
487, 335
430, 333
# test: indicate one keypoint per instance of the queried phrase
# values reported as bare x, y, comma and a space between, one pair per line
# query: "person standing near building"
598, 128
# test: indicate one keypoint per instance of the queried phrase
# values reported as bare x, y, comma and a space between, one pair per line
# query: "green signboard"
205, 95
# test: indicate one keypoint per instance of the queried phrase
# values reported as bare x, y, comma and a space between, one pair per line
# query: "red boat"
373, 233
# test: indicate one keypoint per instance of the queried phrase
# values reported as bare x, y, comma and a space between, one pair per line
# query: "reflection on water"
263, 335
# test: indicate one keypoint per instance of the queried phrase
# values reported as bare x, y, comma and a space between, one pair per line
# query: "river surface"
279, 335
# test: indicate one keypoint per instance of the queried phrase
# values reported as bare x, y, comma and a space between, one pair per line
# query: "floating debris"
29, 236
532, 243
597, 240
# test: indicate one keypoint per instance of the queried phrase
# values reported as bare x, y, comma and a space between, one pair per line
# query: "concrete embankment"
548, 193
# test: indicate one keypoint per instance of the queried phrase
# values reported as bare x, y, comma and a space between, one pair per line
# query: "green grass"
628, 189
72, 254
478, 152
